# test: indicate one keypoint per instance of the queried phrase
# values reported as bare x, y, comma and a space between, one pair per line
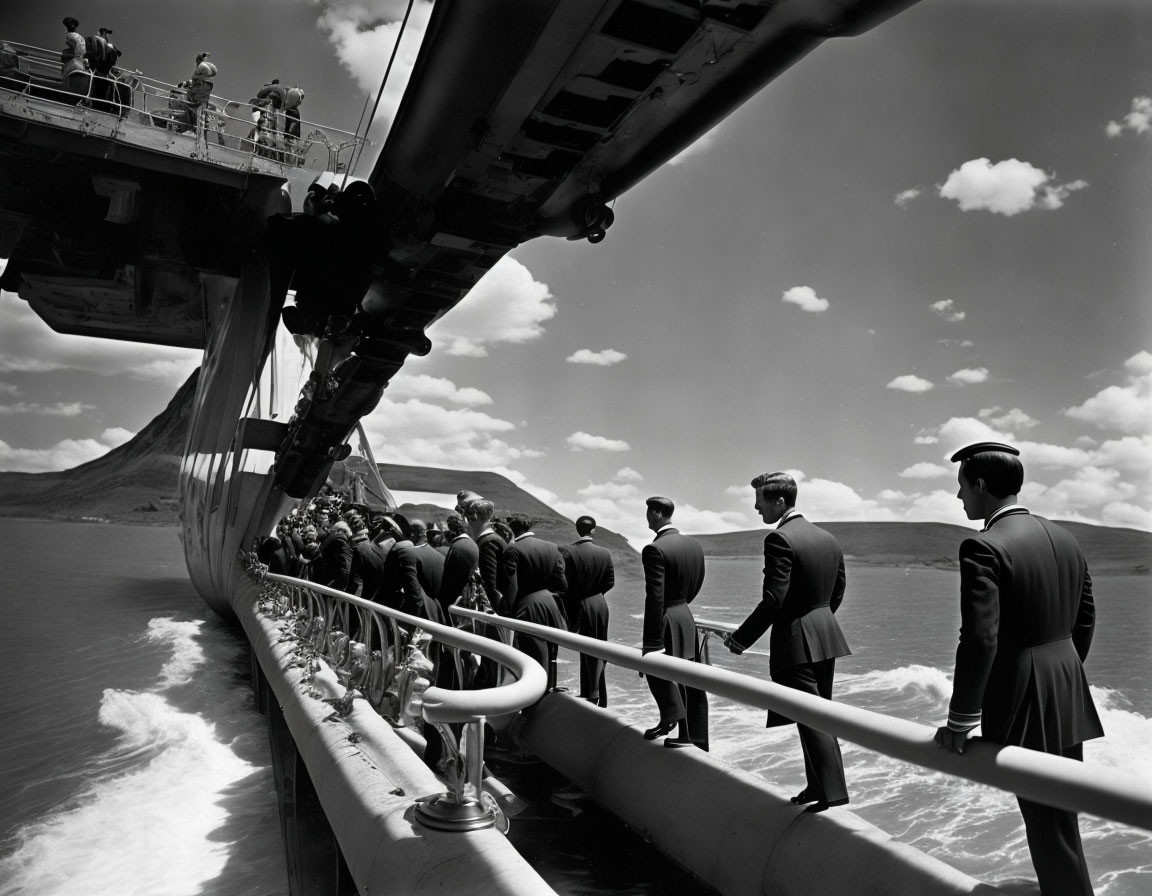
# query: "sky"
932, 234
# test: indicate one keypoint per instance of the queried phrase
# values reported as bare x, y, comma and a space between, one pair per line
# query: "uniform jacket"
429, 569
367, 568
1026, 622
803, 587
530, 564
400, 589
589, 571
491, 547
334, 565
673, 575
462, 557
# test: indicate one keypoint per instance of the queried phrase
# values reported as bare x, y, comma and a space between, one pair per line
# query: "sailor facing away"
1026, 622
804, 584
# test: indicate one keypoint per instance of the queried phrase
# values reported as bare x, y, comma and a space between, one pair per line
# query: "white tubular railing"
465, 807
1041, 777
442, 704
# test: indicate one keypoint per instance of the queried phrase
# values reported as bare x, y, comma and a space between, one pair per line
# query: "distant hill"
136, 484
1108, 550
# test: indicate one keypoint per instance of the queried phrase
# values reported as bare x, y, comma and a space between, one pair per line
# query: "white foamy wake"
167, 820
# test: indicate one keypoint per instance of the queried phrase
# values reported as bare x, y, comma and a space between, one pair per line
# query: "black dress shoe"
660, 730
824, 805
804, 796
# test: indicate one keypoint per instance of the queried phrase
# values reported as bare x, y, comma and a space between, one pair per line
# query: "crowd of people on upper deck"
91, 76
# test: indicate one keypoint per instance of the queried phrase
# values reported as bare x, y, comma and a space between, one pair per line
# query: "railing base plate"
442, 814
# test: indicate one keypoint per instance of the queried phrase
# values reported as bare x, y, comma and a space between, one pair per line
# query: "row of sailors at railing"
1027, 619
477, 561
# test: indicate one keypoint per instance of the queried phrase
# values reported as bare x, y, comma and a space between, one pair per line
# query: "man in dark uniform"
673, 576
430, 568
532, 577
590, 575
334, 565
1026, 622
803, 587
478, 512
459, 564
400, 588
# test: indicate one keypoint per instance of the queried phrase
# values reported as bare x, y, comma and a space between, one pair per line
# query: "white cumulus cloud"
969, 376
947, 310
363, 34
1125, 409
1005, 188
925, 471
909, 382
507, 305
1011, 419
1138, 120
434, 388
805, 297
582, 441
604, 358
905, 196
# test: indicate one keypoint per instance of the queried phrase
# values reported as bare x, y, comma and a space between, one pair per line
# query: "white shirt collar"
524, 535
788, 514
1006, 510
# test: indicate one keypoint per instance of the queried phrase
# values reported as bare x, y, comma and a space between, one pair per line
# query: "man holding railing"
673, 576
804, 582
1026, 622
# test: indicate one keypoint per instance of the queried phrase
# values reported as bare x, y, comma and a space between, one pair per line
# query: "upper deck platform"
135, 111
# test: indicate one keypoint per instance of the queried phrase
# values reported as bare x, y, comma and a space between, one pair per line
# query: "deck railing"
1041, 777
383, 655
219, 123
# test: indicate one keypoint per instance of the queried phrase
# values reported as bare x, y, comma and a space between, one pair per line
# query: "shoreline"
163, 518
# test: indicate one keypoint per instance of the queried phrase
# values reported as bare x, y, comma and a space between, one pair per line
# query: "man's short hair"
480, 509
662, 505
777, 485
585, 524
1003, 473
464, 498
418, 527
519, 523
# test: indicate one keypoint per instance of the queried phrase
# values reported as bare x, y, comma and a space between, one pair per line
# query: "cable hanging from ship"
379, 94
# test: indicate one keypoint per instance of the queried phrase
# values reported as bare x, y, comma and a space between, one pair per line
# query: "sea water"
132, 760
902, 626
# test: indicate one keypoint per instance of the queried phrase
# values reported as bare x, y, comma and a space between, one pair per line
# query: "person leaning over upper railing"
74, 76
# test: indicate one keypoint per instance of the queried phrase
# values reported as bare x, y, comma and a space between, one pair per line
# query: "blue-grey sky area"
930, 234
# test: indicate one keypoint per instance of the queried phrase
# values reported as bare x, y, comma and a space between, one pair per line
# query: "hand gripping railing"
1040, 777
323, 616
